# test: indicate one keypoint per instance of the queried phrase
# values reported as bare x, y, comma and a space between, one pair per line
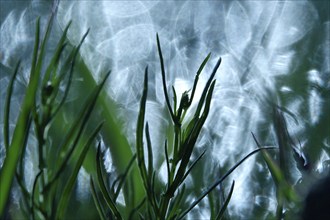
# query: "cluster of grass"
145, 195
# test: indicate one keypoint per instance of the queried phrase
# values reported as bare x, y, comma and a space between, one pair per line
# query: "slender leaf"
97, 201
7, 107
64, 199
224, 207
209, 189
124, 177
193, 165
167, 165
150, 154
56, 56
21, 129
79, 125
164, 80
206, 88
197, 77
110, 202
139, 142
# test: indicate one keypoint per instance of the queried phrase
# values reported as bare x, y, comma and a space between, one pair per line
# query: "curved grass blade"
21, 129
175, 99
71, 60
222, 179
224, 207
167, 164
139, 143
206, 88
164, 80
123, 177
193, 165
7, 107
197, 77
79, 125
110, 202
150, 154
64, 199
56, 57
277, 175
97, 201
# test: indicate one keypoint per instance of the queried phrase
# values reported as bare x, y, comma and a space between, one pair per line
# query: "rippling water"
274, 51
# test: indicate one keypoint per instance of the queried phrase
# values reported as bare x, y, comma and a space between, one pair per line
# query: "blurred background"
272, 52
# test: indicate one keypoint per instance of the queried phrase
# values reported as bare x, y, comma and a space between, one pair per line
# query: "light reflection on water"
260, 43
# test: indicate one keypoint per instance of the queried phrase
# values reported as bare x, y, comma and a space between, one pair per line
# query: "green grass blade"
206, 88
74, 135
110, 202
150, 154
36, 46
222, 179
7, 107
167, 164
139, 130
64, 199
164, 80
123, 177
97, 201
277, 175
16, 146
221, 213
175, 99
56, 57
193, 165
139, 143
197, 77
71, 60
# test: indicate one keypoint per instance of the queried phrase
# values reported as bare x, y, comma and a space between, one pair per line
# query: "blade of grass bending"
97, 201
222, 179
277, 175
56, 57
139, 143
36, 46
16, 145
150, 154
224, 207
7, 107
174, 100
38, 60
193, 165
206, 88
20, 174
123, 177
71, 60
197, 77
167, 164
111, 204
164, 80
64, 199
79, 125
